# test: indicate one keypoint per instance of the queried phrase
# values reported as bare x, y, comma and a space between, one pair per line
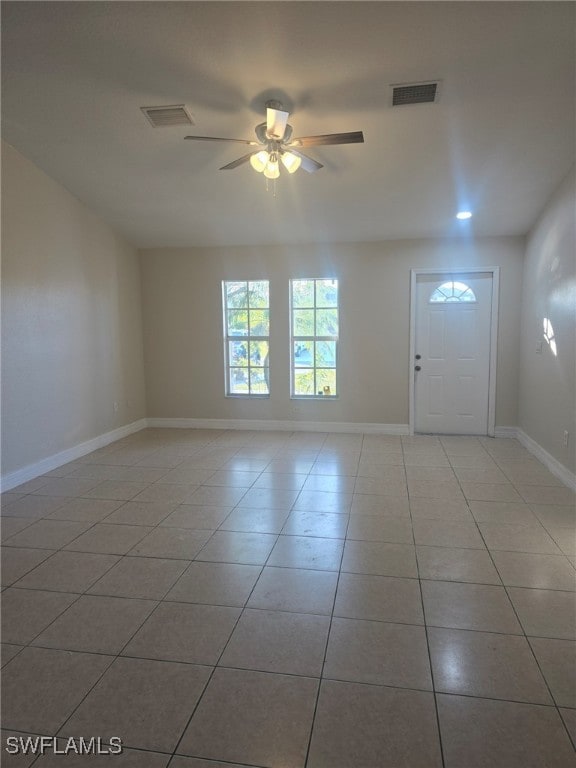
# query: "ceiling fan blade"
307, 164
353, 137
276, 121
236, 163
217, 138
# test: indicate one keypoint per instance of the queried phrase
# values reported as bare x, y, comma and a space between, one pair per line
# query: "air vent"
414, 93
164, 117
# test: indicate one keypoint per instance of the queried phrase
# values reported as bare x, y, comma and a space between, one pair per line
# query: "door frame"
495, 272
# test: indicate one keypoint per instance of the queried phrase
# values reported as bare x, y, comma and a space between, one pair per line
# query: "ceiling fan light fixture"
272, 170
290, 161
274, 137
259, 161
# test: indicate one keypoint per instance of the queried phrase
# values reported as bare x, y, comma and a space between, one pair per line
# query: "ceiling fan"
274, 145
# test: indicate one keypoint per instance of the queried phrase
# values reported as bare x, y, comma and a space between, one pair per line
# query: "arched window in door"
452, 291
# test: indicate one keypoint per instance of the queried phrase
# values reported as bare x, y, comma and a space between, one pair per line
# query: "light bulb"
290, 161
259, 160
272, 171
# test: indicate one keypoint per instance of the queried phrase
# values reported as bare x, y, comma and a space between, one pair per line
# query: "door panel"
436, 395
453, 340
437, 335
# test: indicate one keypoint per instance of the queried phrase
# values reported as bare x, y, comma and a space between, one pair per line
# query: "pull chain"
273, 187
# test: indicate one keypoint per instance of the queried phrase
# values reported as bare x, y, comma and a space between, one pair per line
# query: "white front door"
452, 353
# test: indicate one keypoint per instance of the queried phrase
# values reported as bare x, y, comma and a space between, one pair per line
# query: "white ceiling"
499, 140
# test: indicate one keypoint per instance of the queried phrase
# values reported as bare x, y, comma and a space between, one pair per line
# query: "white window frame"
315, 338
248, 338
443, 298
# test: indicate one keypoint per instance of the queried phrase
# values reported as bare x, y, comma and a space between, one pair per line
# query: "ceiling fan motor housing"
263, 138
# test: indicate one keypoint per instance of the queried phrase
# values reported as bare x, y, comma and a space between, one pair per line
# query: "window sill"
248, 397
314, 397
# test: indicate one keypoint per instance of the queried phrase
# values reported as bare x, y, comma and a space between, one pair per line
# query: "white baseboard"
506, 432
282, 426
12, 479
557, 469
552, 464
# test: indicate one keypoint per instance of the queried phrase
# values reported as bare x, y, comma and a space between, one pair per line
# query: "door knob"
417, 367
417, 357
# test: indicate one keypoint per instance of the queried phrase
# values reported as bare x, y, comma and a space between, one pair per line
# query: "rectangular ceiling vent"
415, 93
164, 117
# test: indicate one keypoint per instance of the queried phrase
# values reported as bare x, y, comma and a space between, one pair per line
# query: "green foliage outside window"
247, 328
314, 337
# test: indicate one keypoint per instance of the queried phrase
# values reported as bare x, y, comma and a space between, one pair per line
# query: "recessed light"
462, 215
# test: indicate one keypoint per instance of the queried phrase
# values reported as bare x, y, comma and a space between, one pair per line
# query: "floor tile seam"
13, 583
89, 498
333, 615
548, 686
540, 524
153, 528
114, 653
569, 505
207, 684
134, 557
260, 670
158, 659
161, 524
375, 573
310, 535
520, 586
108, 655
430, 667
510, 470
531, 649
92, 525
179, 482
236, 562
567, 529
473, 629
493, 561
550, 705
490, 550
226, 562
323, 665
294, 612
373, 540
91, 688
64, 499
493, 549
37, 635
185, 571
89, 593
18, 652
113, 597
35, 492
62, 591
532, 504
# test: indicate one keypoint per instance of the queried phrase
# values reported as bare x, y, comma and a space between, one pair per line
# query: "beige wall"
548, 381
71, 320
183, 325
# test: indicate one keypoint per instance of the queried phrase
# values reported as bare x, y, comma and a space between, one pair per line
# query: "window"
452, 291
314, 337
246, 337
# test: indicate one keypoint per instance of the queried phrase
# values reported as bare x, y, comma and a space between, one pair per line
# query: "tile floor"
285, 600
